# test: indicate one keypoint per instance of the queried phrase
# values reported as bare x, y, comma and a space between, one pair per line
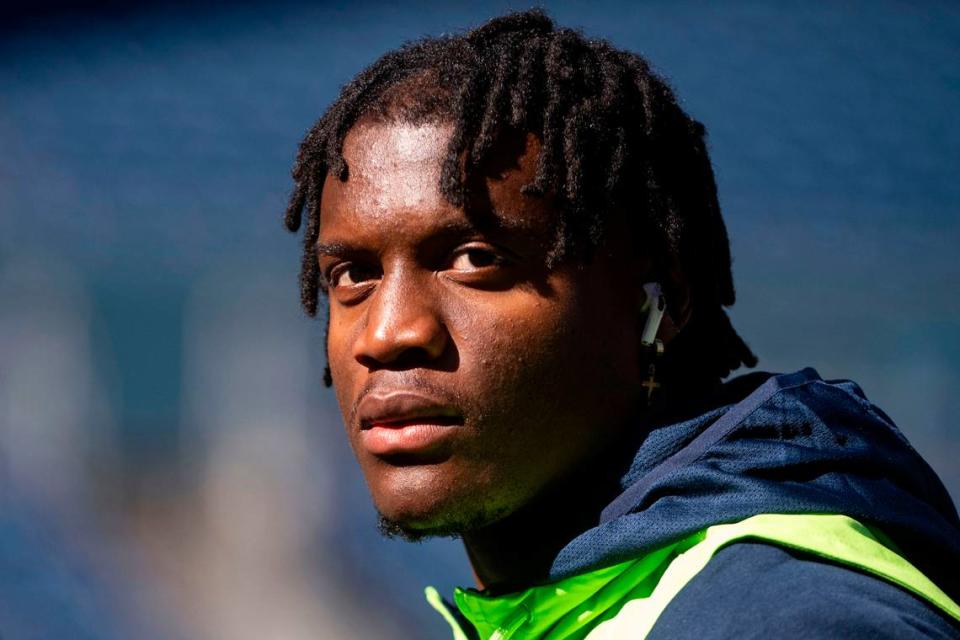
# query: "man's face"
470, 375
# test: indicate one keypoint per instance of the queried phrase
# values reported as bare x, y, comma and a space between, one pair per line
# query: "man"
519, 236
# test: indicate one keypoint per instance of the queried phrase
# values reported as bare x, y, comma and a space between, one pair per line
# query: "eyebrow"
495, 224
334, 249
340, 249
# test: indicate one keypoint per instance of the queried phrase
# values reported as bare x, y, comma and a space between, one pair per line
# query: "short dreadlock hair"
614, 143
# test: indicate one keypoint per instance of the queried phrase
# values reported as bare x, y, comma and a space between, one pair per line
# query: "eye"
473, 258
349, 274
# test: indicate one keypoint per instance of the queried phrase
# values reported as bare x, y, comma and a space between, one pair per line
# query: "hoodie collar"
562, 608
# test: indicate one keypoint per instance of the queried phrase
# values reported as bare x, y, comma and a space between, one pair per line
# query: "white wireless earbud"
653, 306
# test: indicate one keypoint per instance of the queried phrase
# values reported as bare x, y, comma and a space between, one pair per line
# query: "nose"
403, 327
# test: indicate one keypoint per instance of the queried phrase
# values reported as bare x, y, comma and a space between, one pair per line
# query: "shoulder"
755, 590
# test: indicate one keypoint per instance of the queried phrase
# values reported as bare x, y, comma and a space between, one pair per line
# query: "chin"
416, 515
390, 528
451, 527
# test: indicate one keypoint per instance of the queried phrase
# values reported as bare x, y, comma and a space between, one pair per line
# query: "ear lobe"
658, 315
668, 329
679, 308
654, 306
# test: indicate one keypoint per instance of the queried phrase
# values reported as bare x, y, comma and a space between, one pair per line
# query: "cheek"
343, 366
542, 364
507, 340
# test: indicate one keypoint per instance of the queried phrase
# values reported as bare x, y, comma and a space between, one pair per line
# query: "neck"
518, 551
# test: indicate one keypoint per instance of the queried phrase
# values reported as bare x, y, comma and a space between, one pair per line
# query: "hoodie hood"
795, 444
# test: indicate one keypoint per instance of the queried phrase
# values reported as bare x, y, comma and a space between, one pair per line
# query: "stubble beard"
455, 528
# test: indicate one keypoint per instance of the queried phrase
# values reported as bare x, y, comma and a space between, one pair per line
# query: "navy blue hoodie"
789, 443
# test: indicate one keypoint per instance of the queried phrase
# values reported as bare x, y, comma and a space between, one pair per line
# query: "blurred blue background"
172, 466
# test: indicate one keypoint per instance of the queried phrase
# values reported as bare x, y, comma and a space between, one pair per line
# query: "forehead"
394, 184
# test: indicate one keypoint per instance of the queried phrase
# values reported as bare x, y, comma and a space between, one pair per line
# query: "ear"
676, 290
654, 307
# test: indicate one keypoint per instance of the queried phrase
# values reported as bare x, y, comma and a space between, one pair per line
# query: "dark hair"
615, 144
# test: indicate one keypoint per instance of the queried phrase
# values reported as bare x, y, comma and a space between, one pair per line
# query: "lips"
405, 422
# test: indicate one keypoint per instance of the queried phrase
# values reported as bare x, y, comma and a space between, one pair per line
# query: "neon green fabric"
625, 600
433, 597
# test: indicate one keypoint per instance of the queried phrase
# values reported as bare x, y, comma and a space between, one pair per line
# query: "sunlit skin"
474, 381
